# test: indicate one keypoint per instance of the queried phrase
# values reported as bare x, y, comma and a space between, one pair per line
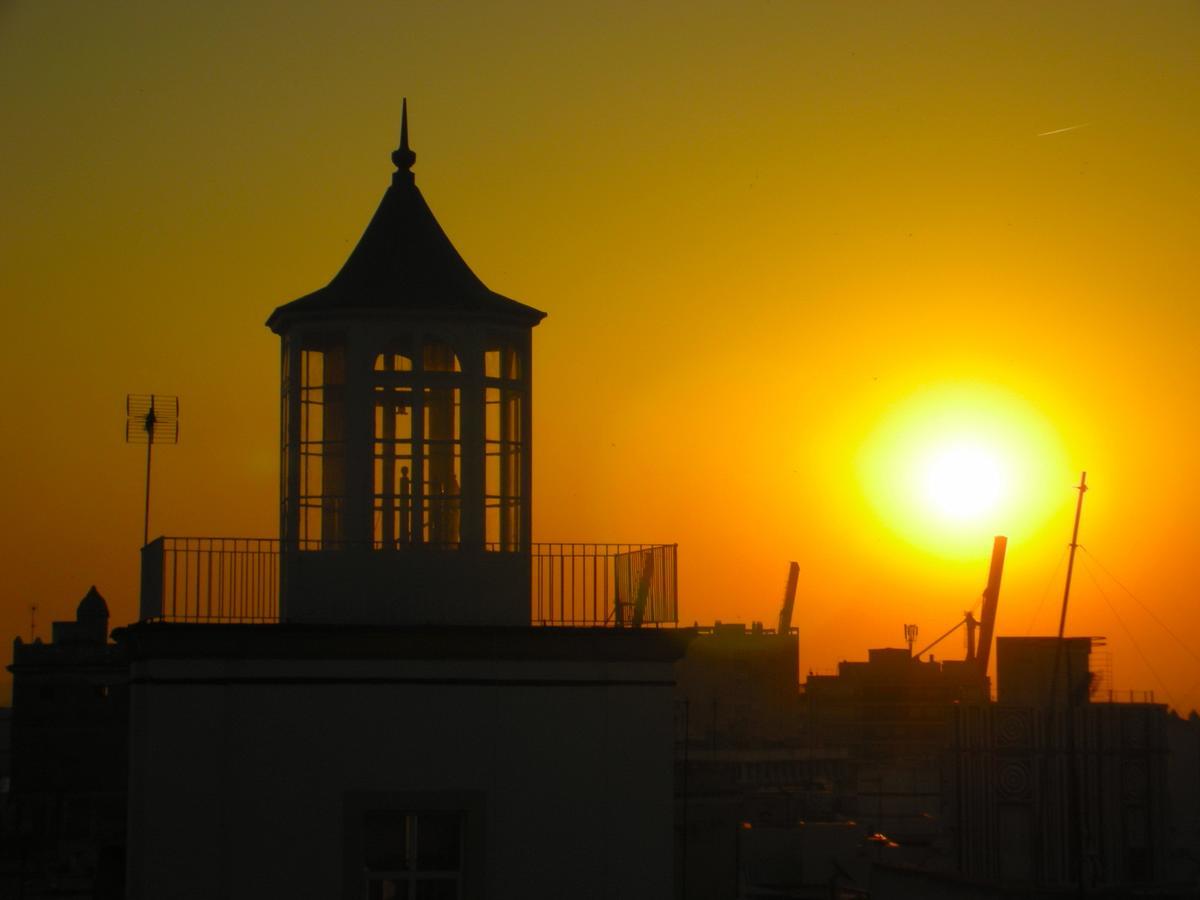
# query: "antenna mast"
150, 419
1073, 787
1062, 619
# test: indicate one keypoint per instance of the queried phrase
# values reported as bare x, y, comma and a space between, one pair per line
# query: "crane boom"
789, 598
991, 599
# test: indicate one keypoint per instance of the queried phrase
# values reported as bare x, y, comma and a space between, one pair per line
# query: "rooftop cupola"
406, 458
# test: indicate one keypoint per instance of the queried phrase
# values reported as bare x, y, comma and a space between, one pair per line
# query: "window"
393, 451
322, 442
395, 359
442, 466
502, 362
417, 445
392, 448
503, 490
413, 845
413, 855
438, 356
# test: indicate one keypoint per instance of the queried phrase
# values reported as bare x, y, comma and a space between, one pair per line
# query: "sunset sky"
796, 257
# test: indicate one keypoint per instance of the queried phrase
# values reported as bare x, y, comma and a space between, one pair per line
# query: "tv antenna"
910, 635
150, 419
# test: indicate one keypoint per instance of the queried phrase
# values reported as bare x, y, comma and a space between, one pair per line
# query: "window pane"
439, 836
502, 468
437, 889
393, 362
387, 889
385, 840
322, 426
503, 361
439, 357
442, 470
392, 480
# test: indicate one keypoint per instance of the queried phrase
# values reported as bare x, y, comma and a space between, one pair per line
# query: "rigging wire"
1129, 634
1046, 591
920, 653
1161, 624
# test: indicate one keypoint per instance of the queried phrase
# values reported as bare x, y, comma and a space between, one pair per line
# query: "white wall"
237, 789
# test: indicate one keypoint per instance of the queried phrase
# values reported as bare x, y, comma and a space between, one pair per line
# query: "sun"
963, 480
950, 466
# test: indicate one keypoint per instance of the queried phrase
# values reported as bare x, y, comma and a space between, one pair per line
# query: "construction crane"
981, 653
789, 598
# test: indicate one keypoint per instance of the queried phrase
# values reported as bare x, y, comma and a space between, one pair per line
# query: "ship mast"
1074, 810
1062, 619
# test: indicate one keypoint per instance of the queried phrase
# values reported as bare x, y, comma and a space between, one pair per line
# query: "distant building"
891, 716
1026, 670
69, 756
739, 686
1053, 790
739, 755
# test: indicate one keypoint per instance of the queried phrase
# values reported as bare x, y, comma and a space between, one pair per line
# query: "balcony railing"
231, 580
604, 584
197, 579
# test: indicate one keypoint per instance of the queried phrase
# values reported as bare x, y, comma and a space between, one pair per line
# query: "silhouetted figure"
405, 537
452, 511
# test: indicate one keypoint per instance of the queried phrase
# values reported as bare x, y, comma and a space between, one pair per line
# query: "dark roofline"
175, 640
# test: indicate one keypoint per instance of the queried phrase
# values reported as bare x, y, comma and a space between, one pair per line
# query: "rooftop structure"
406, 462
366, 693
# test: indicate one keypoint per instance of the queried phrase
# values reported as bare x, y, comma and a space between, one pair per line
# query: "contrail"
1061, 130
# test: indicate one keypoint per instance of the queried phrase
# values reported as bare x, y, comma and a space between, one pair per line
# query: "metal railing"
604, 584
1122, 696
196, 579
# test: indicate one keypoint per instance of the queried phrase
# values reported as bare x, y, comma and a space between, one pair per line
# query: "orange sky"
765, 233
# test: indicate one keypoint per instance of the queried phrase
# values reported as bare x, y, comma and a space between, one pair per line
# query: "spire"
403, 157
404, 263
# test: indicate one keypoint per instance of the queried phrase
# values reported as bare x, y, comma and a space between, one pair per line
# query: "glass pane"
439, 836
439, 357
393, 362
385, 840
502, 362
442, 471
491, 401
387, 889
502, 468
393, 456
512, 363
322, 426
437, 889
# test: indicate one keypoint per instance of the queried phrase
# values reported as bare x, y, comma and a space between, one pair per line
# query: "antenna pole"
158, 424
151, 419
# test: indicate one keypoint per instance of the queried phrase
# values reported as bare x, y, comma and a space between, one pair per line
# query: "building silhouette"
401, 729
67, 796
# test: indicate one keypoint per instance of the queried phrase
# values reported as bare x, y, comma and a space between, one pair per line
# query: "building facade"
396, 726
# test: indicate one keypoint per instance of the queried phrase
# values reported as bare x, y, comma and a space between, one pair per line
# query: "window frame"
469, 804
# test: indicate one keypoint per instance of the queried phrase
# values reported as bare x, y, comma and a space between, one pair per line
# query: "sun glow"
951, 466
963, 480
